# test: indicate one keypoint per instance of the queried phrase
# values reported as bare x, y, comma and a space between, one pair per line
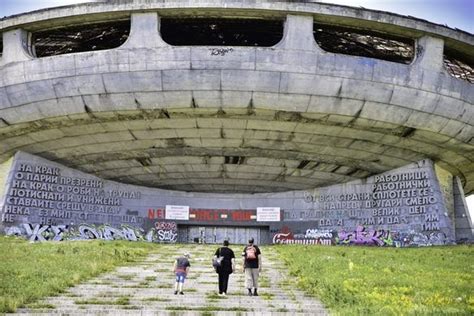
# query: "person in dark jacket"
227, 266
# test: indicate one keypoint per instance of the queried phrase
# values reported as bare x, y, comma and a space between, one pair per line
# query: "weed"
214, 296
155, 299
39, 305
123, 300
131, 307
30, 271
164, 286
267, 296
209, 308
126, 277
396, 281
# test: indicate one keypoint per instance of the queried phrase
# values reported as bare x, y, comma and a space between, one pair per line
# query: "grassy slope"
30, 271
349, 280
386, 281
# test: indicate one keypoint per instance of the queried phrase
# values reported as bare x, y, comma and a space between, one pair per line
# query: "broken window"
1, 45
80, 38
342, 40
221, 32
458, 65
234, 160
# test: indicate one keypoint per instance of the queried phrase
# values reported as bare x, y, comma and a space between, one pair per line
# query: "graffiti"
166, 225
317, 233
166, 231
312, 237
107, 232
38, 232
220, 51
361, 236
416, 239
162, 232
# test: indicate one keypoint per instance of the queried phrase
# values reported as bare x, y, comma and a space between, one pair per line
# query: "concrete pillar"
464, 230
298, 33
429, 53
144, 32
15, 46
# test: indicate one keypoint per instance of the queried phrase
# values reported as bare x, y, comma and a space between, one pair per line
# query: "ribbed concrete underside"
231, 150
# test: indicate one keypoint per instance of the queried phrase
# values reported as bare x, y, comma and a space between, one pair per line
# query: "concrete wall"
404, 207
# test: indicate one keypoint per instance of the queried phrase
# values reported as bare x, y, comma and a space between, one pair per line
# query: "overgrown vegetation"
386, 281
29, 271
348, 280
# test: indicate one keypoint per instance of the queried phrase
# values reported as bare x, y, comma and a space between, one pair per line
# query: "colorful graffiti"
311, 237
385, 238
163, 232
361, 236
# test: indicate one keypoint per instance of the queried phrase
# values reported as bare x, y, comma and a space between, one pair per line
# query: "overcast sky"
453, 13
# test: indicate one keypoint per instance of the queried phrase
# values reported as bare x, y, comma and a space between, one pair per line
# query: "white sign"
179, 212
268, 214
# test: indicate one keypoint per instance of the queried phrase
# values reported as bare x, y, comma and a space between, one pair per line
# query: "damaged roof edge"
324, 9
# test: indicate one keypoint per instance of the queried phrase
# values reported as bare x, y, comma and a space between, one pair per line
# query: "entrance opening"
217, 234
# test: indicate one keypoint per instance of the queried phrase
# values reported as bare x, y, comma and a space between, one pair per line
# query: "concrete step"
153, 279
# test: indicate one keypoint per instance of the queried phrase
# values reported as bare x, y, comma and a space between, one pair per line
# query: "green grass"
156, 299
30, 271
267, 296
388, 281
214, 296
37, 305
263, 282
126, 277
209, 308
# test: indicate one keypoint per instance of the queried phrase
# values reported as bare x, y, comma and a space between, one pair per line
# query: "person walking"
252, 266
226, 268
181, 269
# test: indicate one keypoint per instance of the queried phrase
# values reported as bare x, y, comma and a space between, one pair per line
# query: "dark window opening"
234, 160
364, 43
303, 164
1, 44
458, 65
145, 162
80, 38
221, 32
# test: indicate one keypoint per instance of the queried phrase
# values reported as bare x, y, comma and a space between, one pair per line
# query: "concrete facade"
408, 206
236, 119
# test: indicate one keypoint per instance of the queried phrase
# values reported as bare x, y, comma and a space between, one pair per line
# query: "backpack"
251, 253
217, 262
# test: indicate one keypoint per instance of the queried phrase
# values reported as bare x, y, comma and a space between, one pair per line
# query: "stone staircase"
146, 288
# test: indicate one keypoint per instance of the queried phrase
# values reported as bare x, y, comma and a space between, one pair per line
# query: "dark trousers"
223, 281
